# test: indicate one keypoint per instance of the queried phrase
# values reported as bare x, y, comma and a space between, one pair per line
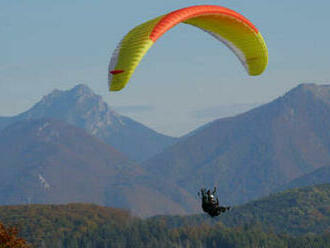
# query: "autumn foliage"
9, 239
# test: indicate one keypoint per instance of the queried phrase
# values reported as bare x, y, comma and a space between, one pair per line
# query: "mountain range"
71, 147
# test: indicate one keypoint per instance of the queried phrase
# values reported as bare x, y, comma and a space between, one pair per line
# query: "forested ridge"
255, 224
296, 211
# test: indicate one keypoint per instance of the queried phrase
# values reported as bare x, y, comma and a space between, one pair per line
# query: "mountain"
50, 161
319, 176
252, 154
82, 108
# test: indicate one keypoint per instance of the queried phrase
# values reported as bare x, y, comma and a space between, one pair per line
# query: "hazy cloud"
133, 108
221, 111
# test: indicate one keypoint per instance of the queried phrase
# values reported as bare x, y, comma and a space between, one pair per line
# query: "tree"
9, 239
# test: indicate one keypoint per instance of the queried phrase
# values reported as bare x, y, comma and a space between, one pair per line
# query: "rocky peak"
79, 93
79, 106
321, 92
82, 90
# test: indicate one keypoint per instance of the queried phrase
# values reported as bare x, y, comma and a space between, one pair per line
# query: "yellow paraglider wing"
226, 25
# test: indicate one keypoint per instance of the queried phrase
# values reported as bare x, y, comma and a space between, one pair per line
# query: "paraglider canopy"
226, 25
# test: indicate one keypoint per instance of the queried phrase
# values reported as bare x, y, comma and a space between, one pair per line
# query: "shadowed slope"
252, 154
49, 161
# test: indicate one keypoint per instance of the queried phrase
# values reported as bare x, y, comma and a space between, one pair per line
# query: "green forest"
294, 218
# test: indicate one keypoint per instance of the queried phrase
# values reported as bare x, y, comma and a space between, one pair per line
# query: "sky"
186, 79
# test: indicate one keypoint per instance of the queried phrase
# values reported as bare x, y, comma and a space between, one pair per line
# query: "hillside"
48, 225
81, 107
49, 161
269, 222
319, 176
296, 212
252, 154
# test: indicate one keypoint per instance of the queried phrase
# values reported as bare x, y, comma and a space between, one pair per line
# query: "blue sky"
48, 44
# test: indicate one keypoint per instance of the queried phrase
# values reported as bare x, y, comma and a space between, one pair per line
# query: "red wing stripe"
114, 72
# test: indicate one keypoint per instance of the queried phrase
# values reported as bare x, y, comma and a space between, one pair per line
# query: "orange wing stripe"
178, 16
